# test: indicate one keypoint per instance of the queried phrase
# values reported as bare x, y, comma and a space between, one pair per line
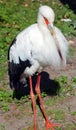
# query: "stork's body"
35, 48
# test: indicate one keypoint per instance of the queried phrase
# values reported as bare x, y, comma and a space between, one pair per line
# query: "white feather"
63, 44
38, 45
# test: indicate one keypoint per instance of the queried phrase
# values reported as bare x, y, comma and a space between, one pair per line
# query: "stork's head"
46, 16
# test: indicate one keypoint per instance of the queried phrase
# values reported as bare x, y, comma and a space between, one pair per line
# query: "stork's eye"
46, 21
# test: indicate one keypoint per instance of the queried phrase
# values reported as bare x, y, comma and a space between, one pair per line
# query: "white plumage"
40, 45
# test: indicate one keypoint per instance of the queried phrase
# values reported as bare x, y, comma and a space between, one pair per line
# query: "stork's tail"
17, 80
15, 71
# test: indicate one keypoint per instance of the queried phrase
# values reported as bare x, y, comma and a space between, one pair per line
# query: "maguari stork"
39, 45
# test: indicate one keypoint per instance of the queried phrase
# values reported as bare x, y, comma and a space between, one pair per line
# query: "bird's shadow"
47, 85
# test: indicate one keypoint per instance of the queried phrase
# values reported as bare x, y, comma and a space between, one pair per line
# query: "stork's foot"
50, 125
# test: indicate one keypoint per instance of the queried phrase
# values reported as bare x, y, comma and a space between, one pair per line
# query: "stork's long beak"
52, 29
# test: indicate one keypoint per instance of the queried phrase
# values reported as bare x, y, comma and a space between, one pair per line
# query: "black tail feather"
15, 71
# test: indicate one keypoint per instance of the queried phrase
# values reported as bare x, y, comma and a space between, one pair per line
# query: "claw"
50, 125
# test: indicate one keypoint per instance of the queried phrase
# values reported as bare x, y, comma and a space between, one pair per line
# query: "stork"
39, 45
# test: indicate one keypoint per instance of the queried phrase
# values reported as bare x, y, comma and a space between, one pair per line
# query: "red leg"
48, 124
33, 101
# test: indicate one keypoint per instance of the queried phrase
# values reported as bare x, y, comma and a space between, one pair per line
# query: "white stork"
40, 45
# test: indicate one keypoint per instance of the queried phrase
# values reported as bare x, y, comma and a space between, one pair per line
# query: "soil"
15, 119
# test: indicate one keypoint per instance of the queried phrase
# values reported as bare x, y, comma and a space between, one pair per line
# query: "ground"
60, 109
58, 87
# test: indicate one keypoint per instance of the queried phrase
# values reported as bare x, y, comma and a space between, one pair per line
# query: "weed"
50, 101
62, 79
5, 99
57, 114
74, 113
71, 52
2, 126
74, 80
5, 107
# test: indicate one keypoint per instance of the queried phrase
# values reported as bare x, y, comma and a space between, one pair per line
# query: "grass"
22, 14
2, 127
74, 113
66, 87
5, 99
